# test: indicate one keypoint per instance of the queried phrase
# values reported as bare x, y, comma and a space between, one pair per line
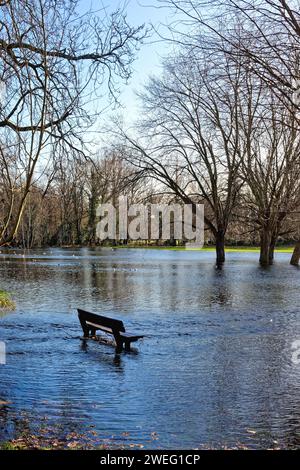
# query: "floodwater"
215, 368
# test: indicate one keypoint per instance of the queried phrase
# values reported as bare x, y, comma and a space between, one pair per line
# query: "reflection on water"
214, 369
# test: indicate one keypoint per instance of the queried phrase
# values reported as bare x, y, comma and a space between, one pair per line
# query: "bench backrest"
98, 322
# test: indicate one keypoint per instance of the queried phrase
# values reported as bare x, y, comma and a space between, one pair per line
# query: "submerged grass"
75, 441
5, 301
39, 432
228, 249
50, 438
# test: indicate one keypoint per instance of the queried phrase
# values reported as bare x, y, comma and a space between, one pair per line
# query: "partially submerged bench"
90, 323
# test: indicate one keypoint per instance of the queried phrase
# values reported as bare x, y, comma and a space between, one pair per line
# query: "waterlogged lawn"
228, 249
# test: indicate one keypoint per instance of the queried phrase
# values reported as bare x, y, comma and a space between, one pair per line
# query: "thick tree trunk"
296, 255
265, 241
220, 248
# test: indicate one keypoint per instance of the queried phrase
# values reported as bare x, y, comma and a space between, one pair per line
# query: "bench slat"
116, 325
100, 327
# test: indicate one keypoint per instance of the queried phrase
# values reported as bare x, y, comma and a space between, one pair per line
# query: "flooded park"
215, 367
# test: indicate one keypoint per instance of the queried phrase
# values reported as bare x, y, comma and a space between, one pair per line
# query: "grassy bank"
5, 301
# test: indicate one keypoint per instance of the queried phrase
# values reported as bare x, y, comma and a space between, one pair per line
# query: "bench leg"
85, 329
119, 346
127, 346
86, 333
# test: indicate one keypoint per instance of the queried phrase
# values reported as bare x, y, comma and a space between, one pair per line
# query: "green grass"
5, 301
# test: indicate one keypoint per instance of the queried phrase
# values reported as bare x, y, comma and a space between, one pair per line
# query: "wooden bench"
90, 323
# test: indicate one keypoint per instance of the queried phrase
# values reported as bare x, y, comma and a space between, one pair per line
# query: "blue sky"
149, 57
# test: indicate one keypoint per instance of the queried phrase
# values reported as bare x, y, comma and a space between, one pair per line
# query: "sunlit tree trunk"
265, 239
220, 247
272, 248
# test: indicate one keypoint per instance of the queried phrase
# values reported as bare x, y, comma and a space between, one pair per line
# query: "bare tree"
108, 178
271, 168
262, 35
189, 139
265, 34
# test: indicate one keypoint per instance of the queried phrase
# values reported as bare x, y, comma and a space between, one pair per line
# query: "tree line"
219, 125
55, 62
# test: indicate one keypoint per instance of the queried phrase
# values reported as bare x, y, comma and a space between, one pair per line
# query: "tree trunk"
265, 241
220, 248
296, 255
